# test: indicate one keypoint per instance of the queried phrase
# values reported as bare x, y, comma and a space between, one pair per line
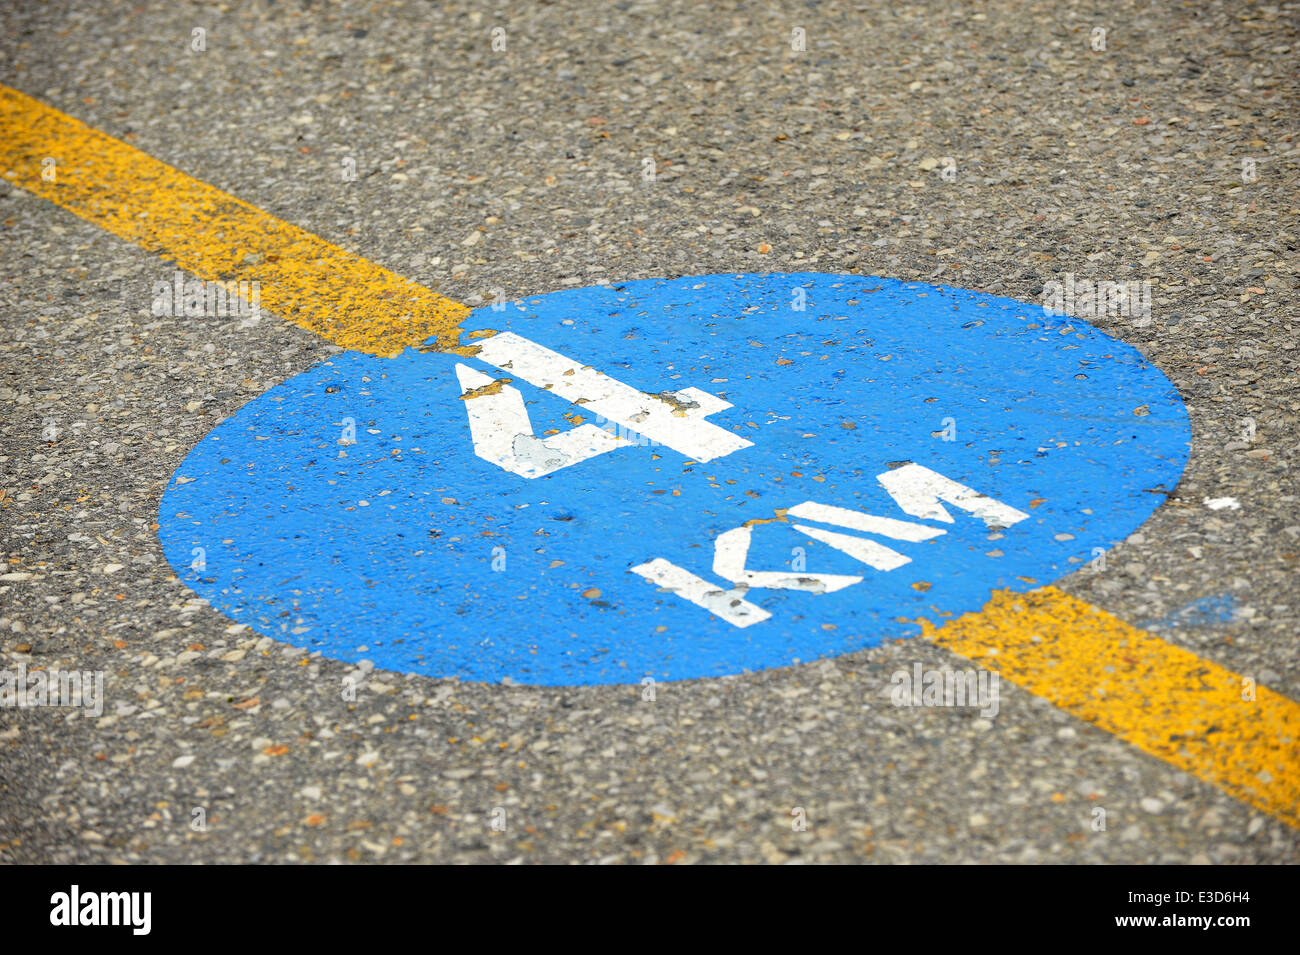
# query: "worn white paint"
502, 433
867, 523
859, 548
732, 547
730, 605
919, 491
676, 425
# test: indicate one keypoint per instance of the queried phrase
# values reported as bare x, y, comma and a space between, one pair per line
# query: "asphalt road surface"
492, 156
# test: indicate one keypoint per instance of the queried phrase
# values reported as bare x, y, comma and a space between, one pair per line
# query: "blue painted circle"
385, 549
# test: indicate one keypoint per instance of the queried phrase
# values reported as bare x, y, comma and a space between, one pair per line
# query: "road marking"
732, 547
919, 491
729, 605
1163, 699
860, 549
342, 297
866, 523
678, 424
503, 434
914, 488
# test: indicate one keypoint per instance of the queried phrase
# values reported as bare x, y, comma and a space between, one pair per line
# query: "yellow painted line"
301, 277
1161, 698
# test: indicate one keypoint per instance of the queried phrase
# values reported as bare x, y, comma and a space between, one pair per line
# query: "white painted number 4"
919, 491
503, 434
